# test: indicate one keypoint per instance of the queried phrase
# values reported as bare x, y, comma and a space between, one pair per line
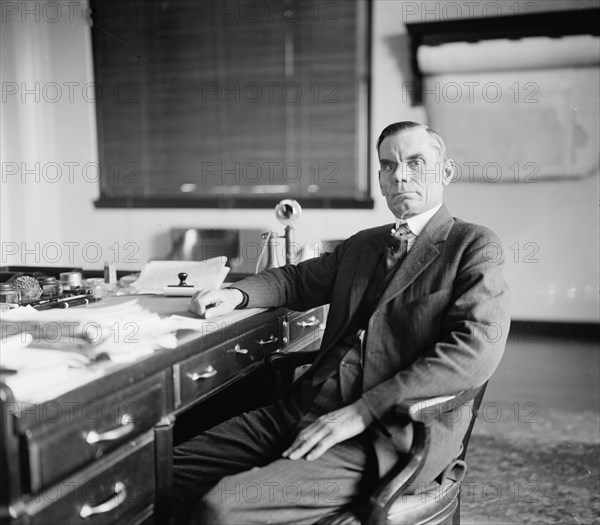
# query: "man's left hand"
330, 429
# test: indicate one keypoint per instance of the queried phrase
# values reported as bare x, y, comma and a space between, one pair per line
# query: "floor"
534, 456
558, 372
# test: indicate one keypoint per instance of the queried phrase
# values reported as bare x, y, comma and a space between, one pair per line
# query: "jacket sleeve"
474, 331
298, 287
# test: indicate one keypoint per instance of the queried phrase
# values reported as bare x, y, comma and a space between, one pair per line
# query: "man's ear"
448, 172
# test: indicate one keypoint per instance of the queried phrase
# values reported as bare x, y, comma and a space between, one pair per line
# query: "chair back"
475, 408
317, 248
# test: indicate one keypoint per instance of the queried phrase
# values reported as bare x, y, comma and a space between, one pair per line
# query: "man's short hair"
398, 127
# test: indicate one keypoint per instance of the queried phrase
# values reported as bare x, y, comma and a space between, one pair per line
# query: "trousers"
234, 472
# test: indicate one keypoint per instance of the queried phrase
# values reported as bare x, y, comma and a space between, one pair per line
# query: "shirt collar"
417, 223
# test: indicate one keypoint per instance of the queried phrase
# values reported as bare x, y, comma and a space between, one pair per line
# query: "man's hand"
212, 303
329, 429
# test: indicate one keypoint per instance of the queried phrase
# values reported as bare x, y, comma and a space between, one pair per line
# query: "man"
417, 313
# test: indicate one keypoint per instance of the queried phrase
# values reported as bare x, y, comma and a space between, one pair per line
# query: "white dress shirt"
417, 224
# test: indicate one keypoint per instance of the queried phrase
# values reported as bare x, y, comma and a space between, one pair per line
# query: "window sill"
237, 202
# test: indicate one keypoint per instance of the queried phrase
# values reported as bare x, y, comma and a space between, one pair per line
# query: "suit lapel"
369, 257
421, 255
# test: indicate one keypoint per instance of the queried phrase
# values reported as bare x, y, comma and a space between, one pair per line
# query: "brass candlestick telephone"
287, 212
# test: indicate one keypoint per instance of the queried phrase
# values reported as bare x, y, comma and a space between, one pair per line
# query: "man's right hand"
212, 303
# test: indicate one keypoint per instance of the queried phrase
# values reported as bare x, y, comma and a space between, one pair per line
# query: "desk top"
128, 337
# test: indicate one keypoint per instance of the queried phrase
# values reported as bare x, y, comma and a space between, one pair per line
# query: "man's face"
412, 173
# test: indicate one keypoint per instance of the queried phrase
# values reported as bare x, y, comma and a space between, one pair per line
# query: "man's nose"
400, 175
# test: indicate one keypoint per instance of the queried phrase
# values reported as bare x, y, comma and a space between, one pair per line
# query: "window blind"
233, 103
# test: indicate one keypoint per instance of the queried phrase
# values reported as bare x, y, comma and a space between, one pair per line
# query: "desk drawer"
123, 487
306, 325
95, 429
210, 369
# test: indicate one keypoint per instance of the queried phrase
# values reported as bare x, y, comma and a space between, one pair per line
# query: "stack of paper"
46, 352
157, 275
122, 332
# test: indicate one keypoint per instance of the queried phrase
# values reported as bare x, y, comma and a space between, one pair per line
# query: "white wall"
46, 221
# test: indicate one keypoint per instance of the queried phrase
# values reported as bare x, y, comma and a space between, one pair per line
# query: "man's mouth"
404, 194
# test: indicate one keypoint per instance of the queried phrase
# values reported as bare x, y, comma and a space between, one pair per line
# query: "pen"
38, 302
73, 297
68, 303
74, 302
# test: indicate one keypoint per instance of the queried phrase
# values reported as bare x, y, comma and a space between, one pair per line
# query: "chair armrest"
422, 413
426, 410
284, 365
290, 360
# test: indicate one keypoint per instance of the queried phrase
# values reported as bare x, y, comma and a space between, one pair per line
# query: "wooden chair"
391, 502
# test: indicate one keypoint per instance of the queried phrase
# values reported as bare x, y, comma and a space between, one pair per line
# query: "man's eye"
387, 167
415, 164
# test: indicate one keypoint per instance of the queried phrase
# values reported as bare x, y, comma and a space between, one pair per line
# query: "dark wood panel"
123, 486
134, 460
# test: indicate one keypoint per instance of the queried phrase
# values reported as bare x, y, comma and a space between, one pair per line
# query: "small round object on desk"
97, 287
9, 295
50, 286
28, 286
70, 280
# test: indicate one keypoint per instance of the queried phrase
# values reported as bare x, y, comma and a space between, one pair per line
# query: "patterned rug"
532, 466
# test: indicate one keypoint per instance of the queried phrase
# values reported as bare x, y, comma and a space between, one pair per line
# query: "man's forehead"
408, 142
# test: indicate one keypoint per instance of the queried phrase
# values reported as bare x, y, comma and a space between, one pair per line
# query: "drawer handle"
311, 321
120, 494
272, 339
209, 371
237, 349
127, 426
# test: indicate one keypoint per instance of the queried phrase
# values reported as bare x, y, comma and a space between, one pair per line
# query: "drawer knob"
127, 426
237, 349
272, 339
120, 494
209, 371
311, 321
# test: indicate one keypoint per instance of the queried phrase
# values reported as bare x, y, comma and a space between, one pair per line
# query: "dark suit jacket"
439, 328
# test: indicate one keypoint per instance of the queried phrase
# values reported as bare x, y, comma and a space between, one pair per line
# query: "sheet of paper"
156, 275
49, 352
59, 376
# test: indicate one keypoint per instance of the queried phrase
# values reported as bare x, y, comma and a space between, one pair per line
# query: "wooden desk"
100, 453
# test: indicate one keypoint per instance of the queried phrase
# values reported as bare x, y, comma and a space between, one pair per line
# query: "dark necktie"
397, 246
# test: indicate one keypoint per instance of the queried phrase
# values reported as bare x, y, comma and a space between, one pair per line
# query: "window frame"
362, 198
